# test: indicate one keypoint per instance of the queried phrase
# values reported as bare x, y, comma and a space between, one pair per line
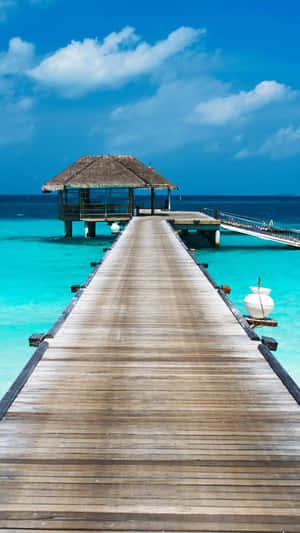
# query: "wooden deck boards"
151, 410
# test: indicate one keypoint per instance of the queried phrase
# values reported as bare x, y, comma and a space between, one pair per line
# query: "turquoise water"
239, 262
37, 268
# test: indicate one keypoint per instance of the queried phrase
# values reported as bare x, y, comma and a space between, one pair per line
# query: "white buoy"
259, 304
115, 228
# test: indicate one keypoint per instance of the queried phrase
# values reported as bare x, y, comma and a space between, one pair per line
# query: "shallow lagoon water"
38, 267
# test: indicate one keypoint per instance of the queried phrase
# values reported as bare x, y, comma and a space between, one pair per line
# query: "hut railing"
69, 211
98, 210
77, 212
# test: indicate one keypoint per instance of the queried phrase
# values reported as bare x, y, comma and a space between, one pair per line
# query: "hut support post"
130, 202
61, 204
86, 196
68, 228
152, 201
81, 202
217, 238
169, 200
90, 229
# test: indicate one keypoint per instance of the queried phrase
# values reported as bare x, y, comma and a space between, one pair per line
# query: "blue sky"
206, 91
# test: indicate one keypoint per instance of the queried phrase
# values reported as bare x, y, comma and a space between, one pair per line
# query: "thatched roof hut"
98, 188
108, 171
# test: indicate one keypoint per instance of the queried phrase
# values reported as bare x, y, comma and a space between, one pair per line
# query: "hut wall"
87, 204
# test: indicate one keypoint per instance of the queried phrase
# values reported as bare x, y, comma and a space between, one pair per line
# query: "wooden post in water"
61, 204
68, 228
90, 229
152, 201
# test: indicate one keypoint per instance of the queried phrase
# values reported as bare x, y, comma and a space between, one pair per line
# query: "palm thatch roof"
108, 171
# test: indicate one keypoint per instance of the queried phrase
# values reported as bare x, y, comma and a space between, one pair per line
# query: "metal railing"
254, 225
93, 211
71, 211
97, 210
145, 203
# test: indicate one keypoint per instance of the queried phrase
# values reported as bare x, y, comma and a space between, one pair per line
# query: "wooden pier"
151, 409
192, 221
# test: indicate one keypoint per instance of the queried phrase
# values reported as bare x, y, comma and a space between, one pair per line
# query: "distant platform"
184, 217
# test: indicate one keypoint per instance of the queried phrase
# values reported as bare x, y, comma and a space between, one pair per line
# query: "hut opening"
101, 188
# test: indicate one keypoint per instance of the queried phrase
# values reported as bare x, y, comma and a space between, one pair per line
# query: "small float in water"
115, 228
259, 305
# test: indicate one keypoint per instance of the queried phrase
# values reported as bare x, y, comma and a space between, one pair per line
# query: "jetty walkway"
151, 410
257, 228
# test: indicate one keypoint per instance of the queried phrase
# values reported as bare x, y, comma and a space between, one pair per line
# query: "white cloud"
18, 58
85, 66
242, 154
4, 6
159, 123
17, 121
238, 138
219, 111
282, 144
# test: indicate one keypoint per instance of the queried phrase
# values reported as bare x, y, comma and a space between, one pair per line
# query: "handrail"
253, 224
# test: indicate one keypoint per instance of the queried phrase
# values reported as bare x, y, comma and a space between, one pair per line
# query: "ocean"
38, 266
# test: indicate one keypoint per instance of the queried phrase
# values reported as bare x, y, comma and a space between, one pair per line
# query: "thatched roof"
108, 171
